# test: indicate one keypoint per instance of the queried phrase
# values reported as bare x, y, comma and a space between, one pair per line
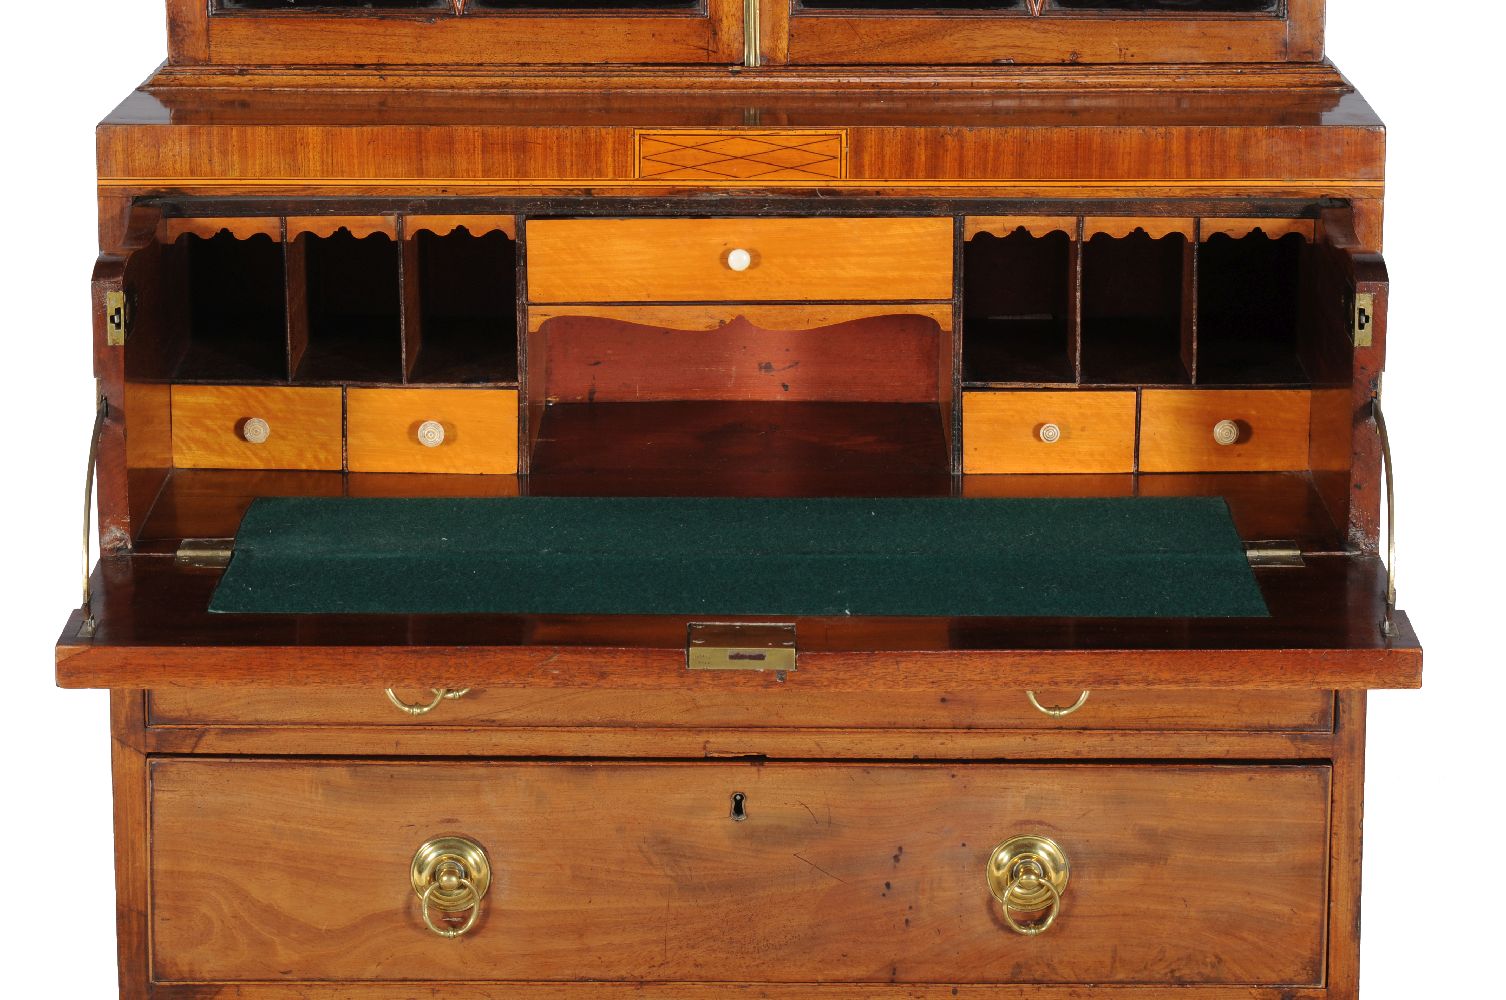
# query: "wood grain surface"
1202, 874
306, 427
1001, 432
480, 430
667, 260
1176, 430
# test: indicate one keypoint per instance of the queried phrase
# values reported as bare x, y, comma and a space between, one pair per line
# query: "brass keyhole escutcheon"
451, 875
1028, 876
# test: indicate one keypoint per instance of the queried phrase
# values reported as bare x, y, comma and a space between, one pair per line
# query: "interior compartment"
1136, 310
914, 5
862, 396
349, 328
537, 5
1017, 297
1249, 310
231, 311
465, 327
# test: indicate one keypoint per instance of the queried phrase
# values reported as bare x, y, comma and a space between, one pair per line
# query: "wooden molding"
768, 317
1274, 228
170, 230
1035, 225
359, 226
476, 225
1155, 228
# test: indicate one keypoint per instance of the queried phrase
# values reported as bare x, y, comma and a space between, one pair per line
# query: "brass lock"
1028, 875
451, 875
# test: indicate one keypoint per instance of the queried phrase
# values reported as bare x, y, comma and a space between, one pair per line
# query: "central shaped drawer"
739, 260
286, 871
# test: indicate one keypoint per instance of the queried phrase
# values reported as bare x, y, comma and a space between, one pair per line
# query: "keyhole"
739, 810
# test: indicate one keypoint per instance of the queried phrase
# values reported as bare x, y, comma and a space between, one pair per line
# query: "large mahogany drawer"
285, 871
1117, 709
702, 260
258, 427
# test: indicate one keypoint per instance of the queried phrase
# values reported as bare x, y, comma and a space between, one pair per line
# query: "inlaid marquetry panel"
741, 155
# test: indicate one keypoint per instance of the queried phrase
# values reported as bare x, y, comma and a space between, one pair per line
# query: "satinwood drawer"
739, 260
1225, 430
432, 430
1048, 432
283, 871
1117, 709
257, 427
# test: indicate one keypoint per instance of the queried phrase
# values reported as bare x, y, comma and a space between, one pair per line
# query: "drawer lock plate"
741, 646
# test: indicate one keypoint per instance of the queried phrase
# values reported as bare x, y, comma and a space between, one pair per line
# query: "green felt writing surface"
1120, 557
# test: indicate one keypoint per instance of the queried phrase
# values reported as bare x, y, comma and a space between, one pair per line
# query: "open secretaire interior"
908, 474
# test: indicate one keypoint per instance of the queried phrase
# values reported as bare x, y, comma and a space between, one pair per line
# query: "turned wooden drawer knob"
256, 431
1226, 432
1049, 433
450, 875
431, 433
739, 260
1028, 876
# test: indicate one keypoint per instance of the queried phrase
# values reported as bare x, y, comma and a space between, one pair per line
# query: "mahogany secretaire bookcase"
784, 499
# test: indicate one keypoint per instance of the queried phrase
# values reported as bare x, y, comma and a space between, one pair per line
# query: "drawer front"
697, 260
1048, 432
1112, 710
257, 427
433, 430
285, 871
1269, 431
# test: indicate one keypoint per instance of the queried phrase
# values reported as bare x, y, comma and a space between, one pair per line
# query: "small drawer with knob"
417, 873
1225, 430
257, 427
1048, 432
739, 260
471, 431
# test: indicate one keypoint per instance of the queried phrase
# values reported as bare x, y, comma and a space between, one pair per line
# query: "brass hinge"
1360, 330
1268, 554
747, 646
117, 319
205, 552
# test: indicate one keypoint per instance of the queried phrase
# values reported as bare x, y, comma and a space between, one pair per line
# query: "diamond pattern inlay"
742, 155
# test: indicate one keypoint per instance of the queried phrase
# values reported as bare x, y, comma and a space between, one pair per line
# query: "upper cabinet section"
746, 33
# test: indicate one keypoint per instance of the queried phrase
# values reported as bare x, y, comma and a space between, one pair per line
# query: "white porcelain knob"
1050, 433
739, 259
431, 433
1226, 432
256, 431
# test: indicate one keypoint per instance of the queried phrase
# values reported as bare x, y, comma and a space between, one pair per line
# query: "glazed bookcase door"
455, 32
963, 32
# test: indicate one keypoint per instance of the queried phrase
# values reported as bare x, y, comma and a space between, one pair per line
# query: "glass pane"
1176, 6
545, 5
332, 4
913, 5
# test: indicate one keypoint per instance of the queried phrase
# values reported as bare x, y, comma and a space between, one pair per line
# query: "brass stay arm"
1389, 625
101, 410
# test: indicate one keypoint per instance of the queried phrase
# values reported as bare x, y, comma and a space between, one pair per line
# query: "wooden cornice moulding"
714, 316
1274, 228
1035, 225
1155, 228
476, 225
170, 230
359, 226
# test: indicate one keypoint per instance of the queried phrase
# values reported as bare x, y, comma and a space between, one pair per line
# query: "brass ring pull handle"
1028, 875
450, 875
440, 695
1056, 711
